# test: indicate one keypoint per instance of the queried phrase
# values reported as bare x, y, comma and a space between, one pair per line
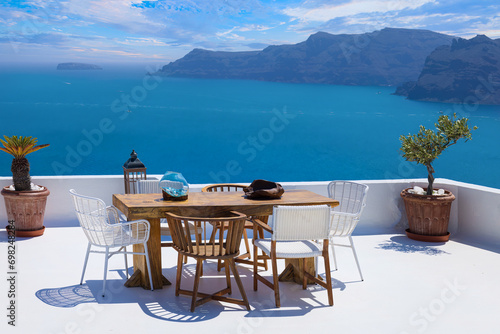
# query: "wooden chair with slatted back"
204, 247
245, 257
152, 186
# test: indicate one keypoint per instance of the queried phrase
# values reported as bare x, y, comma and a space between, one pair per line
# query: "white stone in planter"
34, 187
420, 191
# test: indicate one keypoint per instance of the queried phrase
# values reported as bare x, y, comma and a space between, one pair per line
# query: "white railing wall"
475, 212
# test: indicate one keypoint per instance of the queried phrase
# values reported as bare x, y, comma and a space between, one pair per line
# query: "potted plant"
428, 210
24, 202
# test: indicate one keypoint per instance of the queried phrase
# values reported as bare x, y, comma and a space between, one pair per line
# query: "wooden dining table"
199, 204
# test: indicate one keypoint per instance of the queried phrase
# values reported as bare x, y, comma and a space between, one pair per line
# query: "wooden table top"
203, 204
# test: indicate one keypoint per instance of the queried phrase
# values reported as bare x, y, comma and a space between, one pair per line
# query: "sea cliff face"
78, 66
467, 71
386, 57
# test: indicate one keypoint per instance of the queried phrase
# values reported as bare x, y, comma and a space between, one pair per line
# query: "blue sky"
161, 31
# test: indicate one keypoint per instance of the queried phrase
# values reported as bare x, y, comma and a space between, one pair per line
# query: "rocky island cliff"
467, 71
425, 65
383, 58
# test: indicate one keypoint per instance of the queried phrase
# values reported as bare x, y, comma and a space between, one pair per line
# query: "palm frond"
20, 146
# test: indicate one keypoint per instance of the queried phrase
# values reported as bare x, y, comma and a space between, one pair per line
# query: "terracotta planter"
428, 216
26, 209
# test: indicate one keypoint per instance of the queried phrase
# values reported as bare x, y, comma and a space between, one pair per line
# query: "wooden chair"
104, 230
245, 257
345, 217
153, 187
203, 247
295, 230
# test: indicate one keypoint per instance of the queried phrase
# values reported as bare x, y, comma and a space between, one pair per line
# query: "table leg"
293, 270
140, 276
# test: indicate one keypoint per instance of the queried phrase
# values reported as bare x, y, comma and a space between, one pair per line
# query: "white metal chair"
104, 229
345, 217
295, 230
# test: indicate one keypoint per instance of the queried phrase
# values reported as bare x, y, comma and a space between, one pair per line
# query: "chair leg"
255, 250
106, 254
212, 240
329, 287
214, 232
85, 263
146, 253
228, 275
304, 277
275, 280
247, 245
196, 283
356, 257
126, 261
179, 274
261, 236
238, 282
333, 254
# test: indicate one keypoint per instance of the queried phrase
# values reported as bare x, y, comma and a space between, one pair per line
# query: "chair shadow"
162, 304
295, 301
69, 296
406, 245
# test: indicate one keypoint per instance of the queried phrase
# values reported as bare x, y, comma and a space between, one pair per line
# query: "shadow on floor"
162, 304
69, 296
406, 245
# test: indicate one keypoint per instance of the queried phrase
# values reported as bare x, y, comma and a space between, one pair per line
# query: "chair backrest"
351, 196
352, 199
308, 222
148, 187
202, 245
223, 187
93, 217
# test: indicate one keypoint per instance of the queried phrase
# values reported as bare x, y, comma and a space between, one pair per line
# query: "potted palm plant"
428, 210
24, 202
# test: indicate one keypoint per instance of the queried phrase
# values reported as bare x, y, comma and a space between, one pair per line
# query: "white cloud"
230, 35
328, 12
117, 52
142, 41
174, 27
255, 27
436, 19
113, 12
490, 28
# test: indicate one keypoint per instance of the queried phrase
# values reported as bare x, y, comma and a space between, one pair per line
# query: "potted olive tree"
24, 202
428, 210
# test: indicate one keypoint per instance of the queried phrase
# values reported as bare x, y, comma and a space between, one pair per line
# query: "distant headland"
388, 57
467, 71
78, 66
423, 64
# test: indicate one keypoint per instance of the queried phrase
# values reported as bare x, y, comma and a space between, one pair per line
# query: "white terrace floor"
409, 287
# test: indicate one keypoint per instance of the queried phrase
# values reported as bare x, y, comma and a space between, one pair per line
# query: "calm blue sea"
229, 130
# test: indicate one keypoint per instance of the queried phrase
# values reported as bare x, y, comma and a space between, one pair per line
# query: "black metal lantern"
133, 171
